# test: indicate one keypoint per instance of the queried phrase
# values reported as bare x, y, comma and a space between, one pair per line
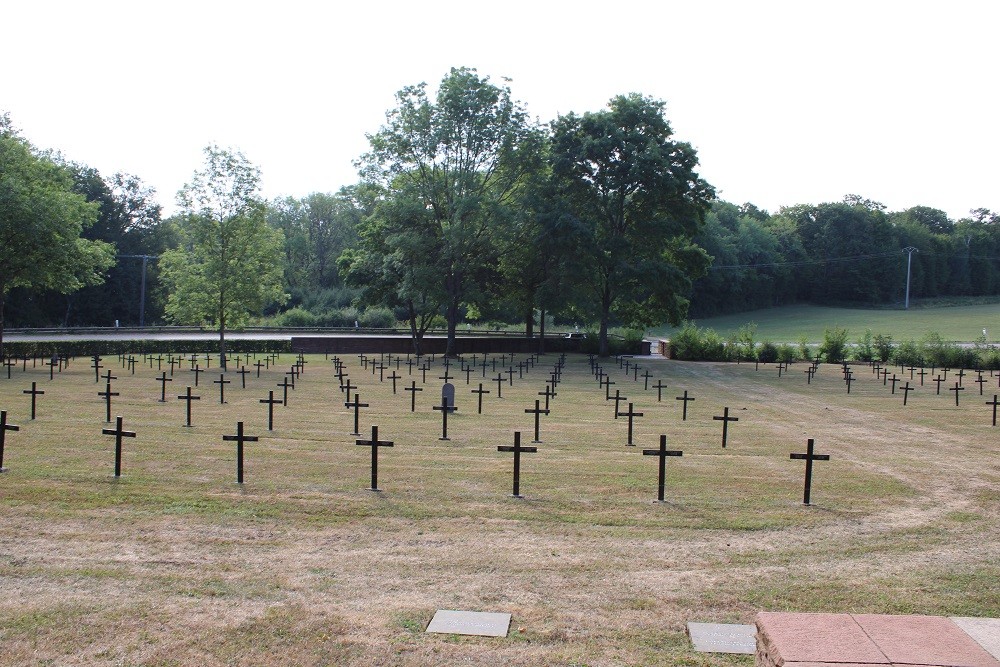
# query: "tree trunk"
602, 339
541, 331
3, 302
415, 334
529, 321
222, 337
452, 314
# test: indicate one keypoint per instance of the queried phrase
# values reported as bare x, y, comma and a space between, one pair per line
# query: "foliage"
635, 195
908, 353
692, 343
834, 347
378, 318
787, 353
864, 349
42, 221
767, 353
883, 346
229, 264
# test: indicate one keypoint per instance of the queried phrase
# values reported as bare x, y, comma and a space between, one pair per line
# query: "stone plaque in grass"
723, 637
483, 624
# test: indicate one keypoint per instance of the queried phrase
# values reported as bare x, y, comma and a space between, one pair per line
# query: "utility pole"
909, 250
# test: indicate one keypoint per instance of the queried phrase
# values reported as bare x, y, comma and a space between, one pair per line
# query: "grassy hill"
963, 323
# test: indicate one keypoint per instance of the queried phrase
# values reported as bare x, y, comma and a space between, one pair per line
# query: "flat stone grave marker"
723, 637
479, 623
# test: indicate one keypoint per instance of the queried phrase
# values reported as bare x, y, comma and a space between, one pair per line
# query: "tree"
41, 222
462, 158
230, 262
636, 192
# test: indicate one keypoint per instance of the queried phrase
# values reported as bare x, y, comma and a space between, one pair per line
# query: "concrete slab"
825, 638
483, 624
924, 640
986, 632
723, 637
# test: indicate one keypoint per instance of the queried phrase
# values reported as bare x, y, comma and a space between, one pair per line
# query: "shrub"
767, 353
694, 344
907, 353
864, 350
883, 347
786, 353
377, 318
297, 317
834, 345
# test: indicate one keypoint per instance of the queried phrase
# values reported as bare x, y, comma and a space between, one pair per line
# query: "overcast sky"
786, 102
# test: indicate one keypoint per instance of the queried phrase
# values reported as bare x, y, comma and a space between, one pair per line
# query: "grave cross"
894, 380
119, 433
197, 370
413, 389
646, 375
10, 363
188, 397
662, 453
849, 379
357, 405
34, 391
635, 373
222, 382
271, 402
809, 374
97, 367
922, 373
374, 443
659, 387
809, 457
538, 412
548, 393
243, 376
606, 381
394, 377
994, 403
617, 398
630, 414
445, 409
163, 380
257, 366
173, 362
980, 381
685, 398
906, 389
960, 374
517, 449
957, 388
107, 394
52, 367
510, 373
347, 388
481, 391
468, 374
499, 380
4, 427
285, 384
725, 419
939, 380
239, 438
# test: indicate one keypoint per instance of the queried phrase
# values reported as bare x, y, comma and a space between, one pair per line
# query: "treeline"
844, 253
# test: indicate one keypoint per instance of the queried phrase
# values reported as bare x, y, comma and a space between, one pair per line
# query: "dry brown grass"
174, 564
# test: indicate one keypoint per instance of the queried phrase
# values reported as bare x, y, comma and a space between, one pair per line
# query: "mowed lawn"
789, 324
176, 564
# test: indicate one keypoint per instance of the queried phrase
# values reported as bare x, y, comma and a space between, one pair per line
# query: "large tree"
230, 262
462, 157
635, 191
41, 222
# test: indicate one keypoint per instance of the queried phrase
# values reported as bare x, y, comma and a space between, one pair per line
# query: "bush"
378, 318
907, 353
297, 317
694, 344
864, 350
786, 353
883, 347
834, 346
768, 353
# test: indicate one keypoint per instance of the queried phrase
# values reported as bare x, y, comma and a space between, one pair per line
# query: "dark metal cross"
34, 391
646, 375
258, 366
922, 373
906, 389
97, 367
960, 374
957, 388
357, 405
447, 376
849, 379
52, 367
725, 419
980, 381
538, 412
894, 380
809, 374
394, 377
413, 389
374, 443
163, 380
510, 374
243, 376
606, 383
119, 433
271, 402
107, 394
347, 388
197, 370
617, 398
659, 387
445, 409
548, 393
239, 438
499, 380
685, 398
188, 397
481, 391
994, 403
222, 382
285, 384
4, 427
662, 453
630, 414
938, 380
517, 449
809, 457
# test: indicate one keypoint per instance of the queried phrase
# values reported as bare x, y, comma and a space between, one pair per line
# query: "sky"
786, 102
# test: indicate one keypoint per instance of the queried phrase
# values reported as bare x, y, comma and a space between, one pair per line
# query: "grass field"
790, 323
175, 564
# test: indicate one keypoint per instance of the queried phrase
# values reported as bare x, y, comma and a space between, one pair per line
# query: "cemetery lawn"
175, 564
789, 324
